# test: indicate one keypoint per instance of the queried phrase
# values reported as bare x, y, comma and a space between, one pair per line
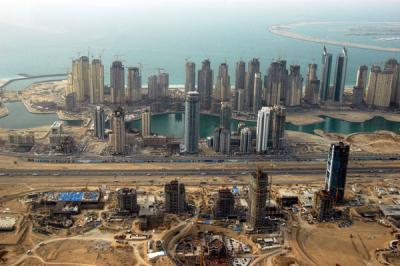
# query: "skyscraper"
277, 124
175, 197
225, 141
326, 74
240, 78
263, 129
99, 122
192, 122
205, 84
257, 90
225, 116
258, 195
117, 81
163, 84
240, 94
80, 78
275, 83
152, 87
294, 88
372, 84
223, 85
312, 90
118, 138
146, 122
340, 76
336, 170
391, 65
96, 82
380, 87
361, 85
270, 129
252, 68
246, 140
224, 205
190, 72
134, 84
127, 200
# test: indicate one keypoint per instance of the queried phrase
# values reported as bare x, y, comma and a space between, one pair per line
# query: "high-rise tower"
294, 88
175, 197
223, 85
326, 74
205, 84
96, 82
80, 78
118, 139
190, 81
146, 122
258, 195
99, 122
134, 84
253, 67
117, 81
340, 76
192, 122
336, 170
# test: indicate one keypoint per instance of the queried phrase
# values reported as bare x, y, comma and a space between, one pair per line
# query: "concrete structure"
117, 83
205, 84
225, 141
372, 85
253, 67
294, 90
340, 77
224, 205
225, 117
58, 141
240, 79
258, 195
163, 85
71, 102
241, 97
362, 77
216, 139
223, 86
56, 128
190, 74
325, 75
392, 65
275, 83
257, 92
358, 96
175, 197
80, 78
118, 138
380, 87
146, 122
192, 122
322, 205
336, 170
23, 141
152, 87
99, 122
246, 141
127, 200
312, 90
270, 129
7, 223
263, 129
134, 84
277, 126
96, 95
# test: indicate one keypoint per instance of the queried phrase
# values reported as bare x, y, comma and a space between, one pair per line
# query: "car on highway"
56, 174
35, 174
3, 174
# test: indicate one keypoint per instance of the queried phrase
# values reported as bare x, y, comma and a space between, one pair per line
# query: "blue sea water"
163, 37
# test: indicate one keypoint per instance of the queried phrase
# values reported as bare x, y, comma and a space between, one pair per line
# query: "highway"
312, 170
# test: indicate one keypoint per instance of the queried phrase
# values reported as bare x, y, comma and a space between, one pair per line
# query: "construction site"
172, 223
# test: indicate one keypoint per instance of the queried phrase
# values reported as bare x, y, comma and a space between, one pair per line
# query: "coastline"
3, 111
313, 117
284, 31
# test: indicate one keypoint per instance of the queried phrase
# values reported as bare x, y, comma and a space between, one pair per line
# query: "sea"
164, 38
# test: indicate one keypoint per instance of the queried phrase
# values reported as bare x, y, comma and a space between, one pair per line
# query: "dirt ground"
380, 142
328, 244
311, 117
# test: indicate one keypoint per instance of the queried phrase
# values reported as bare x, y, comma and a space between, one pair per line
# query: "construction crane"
117, 56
